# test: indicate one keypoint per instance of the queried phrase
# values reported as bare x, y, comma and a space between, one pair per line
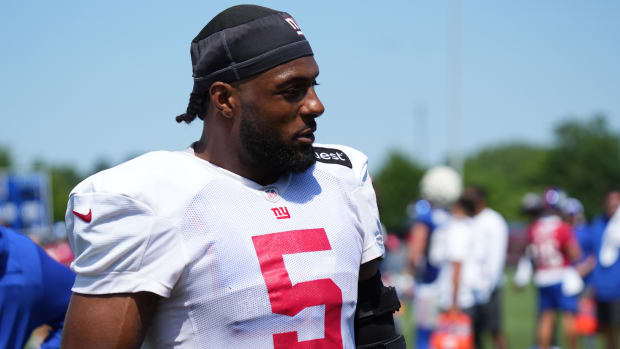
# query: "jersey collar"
282, 183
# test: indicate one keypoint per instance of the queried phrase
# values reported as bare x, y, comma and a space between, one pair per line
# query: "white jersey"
454, 242
491, 234
240, 265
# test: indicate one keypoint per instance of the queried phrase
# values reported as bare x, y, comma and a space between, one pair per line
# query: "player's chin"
302, 144
304, 158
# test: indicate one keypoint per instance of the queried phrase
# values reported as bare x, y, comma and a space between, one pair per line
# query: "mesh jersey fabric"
238, 264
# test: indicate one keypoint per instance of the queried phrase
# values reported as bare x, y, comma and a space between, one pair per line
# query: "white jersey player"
238, 264
253, 237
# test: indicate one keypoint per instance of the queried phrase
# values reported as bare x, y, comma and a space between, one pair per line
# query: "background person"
573, 212
440, 186
606, 276
451, 249
491, 234
34, 291
427, 217
553, 247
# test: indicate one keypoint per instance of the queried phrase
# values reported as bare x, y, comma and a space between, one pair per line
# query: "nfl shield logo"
272, 194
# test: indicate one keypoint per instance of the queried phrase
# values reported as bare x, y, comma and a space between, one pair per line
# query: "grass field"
519, 319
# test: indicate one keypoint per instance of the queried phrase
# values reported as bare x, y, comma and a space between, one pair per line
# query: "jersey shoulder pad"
342, 161
496, 217
332, 156
335, 154
155, 179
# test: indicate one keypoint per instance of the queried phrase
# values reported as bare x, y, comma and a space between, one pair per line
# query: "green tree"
507, 172
5, 158
100, 165
63, 179
397, 186
585, 160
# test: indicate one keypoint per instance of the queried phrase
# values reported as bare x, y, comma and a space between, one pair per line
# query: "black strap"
395, 343
388, 304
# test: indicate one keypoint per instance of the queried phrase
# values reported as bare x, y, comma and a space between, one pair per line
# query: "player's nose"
312, 105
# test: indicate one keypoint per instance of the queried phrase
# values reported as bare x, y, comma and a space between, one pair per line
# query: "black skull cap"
243, 41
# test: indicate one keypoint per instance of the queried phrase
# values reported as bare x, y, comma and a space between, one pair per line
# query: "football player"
553, 248
491, 245
34, 291
253, 236
604, 234
440, 187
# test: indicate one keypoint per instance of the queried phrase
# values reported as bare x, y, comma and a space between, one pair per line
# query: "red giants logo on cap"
293, 24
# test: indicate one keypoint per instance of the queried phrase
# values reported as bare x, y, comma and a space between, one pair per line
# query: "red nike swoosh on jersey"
85, 217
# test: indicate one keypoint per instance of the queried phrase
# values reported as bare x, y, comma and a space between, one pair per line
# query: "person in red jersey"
553, 248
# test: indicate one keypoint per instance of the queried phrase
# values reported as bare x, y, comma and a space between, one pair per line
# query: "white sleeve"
498, 243
610, 246
121, 246
456, 240
365, 203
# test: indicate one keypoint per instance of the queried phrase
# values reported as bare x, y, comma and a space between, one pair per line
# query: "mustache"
309, 128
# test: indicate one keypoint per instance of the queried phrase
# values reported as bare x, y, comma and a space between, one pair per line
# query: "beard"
266, 149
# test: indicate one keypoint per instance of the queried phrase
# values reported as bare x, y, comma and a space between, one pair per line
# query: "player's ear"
223, 98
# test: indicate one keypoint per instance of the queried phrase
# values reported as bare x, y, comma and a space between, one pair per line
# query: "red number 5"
289, 300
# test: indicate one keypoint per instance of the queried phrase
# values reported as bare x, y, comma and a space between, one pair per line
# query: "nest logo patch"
332, 156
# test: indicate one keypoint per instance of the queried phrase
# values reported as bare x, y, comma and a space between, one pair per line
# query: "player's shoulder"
460, 223
341, 160
152, 178
566, 227
421, 209
20, 248
339, 155
134, 173
8, 234
493, 216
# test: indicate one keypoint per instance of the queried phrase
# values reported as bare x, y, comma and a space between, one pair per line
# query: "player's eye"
295, 94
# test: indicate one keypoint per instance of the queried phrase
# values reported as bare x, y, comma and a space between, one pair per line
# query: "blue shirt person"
606, 278
34, 291
426, 219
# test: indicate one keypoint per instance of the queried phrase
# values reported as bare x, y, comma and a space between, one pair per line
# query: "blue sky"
81, 82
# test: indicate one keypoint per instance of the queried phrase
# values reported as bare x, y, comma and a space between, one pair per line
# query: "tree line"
583, 159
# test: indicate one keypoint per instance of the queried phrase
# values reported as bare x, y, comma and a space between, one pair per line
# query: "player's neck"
479, 209
226, 156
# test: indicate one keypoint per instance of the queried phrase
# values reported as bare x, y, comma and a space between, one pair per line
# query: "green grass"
519, 318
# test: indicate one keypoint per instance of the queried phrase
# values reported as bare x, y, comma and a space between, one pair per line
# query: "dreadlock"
195, 108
